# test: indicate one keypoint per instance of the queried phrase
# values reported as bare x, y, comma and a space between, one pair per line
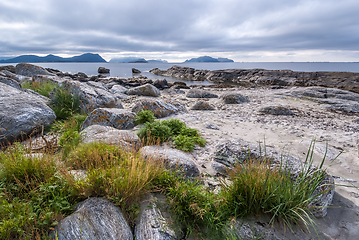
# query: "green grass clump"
33, 196
64, 103
184, 138
44, 88
144, 117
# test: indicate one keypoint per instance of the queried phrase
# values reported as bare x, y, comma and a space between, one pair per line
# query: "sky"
176, 30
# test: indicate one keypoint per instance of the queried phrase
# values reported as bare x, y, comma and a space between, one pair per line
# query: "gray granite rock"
199, 93
21, 114
144, 90
234, 98
276, 110
151, 223
93, 219
124, 138
159, 109
11, 82
203, 105
92, 97
27, 69
113, 117
103, 70
173, 158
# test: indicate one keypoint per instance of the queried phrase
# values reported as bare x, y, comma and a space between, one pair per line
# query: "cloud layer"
254, 29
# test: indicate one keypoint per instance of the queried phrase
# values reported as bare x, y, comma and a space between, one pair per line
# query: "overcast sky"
243, 30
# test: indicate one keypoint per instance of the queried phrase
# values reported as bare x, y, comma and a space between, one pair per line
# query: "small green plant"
184, 138
144, 117
64, 103
44, 88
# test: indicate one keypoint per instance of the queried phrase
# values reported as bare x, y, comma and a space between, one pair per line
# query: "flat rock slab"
199, 93
95, 218
160, 109
21, 114
124, 138
144, 90
113, 117
173, 158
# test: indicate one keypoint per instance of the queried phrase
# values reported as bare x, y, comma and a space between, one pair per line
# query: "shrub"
184, 138
144, 117
43, 88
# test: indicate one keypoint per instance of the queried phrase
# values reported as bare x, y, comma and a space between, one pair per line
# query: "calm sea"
124, 69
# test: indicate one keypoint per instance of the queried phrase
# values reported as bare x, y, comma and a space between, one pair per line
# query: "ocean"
124, 69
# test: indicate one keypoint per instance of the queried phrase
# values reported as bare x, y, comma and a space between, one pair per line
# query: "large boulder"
231, 152
124, 138
48, 78
113, 117
93, 219
9, 68
11, 82
21, 114
27, 69
200, 93
92, 97
173, 158
151, 223
144, 90
16, 77
159, 109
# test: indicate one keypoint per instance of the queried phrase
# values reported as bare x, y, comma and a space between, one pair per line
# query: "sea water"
125, 69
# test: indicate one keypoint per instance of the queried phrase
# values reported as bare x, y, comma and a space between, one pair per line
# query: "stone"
159, 109
202, 105
11, 82
118, 89
19, 78
48, 78
103, 70
27, 69
199, 93
144, 90
231, 152
276, 110
124, 138
135, 71
212, 126
9, 68
99, 85
331, 98
21, 114
151, 223
234, 98
95, 218
91, 97
113, 117
173, 158
161, 84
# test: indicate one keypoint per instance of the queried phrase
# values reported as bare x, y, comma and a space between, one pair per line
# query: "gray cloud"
110, 26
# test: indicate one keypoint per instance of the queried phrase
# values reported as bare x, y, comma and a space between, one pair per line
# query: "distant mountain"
4, 58
209, 59
87, 57
128, 60
157, 61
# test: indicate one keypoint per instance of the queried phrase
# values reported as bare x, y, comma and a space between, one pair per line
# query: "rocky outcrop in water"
248, 77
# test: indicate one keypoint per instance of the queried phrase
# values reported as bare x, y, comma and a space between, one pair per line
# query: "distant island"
87, 57
209, 59
135, 60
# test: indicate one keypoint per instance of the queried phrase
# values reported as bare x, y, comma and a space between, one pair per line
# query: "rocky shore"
260, 77
282, 110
